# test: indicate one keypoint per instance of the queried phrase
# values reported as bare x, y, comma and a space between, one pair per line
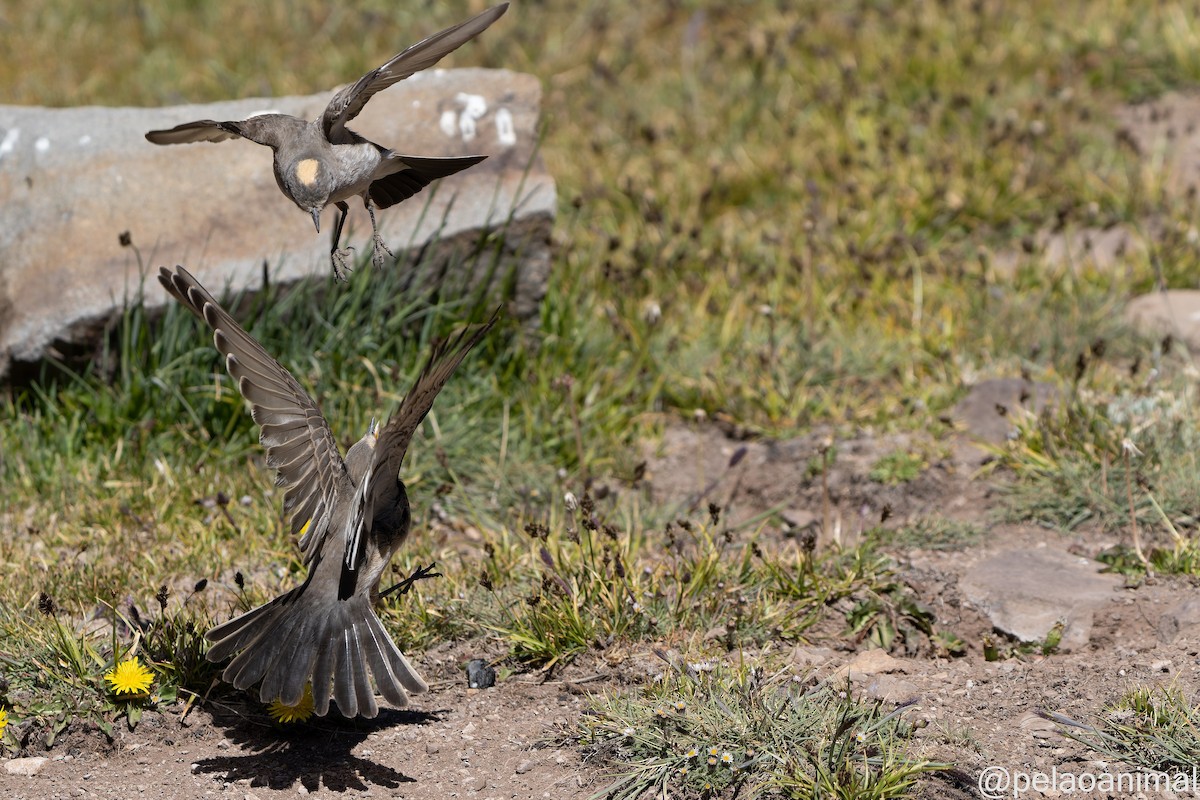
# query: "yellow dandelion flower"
289, 714
727, 757
691, 753
129, 677
3, 721
714, 750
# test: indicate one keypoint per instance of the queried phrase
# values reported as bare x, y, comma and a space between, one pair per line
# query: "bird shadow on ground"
312, 754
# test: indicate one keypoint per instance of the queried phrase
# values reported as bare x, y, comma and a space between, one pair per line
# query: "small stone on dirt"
1037, 726
1184, 616
25, 766
803, 657
871, 662
480, 674
1174, 312
475, 784
524, 767
891, 689
797, 517
1027, 593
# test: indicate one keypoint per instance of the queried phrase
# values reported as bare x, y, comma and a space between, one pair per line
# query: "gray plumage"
322, 162
351, 515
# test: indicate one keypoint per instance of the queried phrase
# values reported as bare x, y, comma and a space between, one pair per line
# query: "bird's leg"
338, 257
376, 255
419, 574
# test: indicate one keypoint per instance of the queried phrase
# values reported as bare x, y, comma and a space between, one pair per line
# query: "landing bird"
351, 517
323, 161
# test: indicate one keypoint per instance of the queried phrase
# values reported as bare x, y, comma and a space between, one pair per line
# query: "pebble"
25, 766
524, 766
476, 784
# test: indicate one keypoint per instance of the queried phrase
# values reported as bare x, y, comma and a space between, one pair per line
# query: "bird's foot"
377, 254
419, 574
341, 268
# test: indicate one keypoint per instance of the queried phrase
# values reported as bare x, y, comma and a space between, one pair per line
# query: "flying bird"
322, 162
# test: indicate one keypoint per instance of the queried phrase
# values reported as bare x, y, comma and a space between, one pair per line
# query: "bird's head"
306, 181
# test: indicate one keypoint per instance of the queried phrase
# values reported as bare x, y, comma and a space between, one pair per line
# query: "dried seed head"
46, 604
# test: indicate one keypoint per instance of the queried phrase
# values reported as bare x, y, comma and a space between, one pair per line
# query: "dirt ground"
501, 742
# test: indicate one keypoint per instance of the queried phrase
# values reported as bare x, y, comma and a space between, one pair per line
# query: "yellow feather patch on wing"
306, 171
304, 530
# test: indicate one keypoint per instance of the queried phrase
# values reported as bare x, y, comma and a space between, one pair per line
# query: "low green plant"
1152, 727
708, 730
928, 533
898, 467
580, 582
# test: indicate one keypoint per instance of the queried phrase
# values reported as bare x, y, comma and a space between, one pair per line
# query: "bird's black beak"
316, 215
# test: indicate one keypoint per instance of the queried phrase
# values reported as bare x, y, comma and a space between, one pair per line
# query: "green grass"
1150, 727
780, 214
704, 729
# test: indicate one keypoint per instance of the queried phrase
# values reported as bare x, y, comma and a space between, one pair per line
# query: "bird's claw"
419, 574
341, 268
377, 256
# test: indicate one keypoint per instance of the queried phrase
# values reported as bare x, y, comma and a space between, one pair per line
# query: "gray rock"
480, 674
988, 410
1174, 311
1103, 249
804, 657
73, 180
1166, 134
25, 766
889, 688
1025, 593
1183, 616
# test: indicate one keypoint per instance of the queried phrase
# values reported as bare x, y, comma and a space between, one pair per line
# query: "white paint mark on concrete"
506, 132
466, 126
448, 122
474, 105
42, 144
9, 142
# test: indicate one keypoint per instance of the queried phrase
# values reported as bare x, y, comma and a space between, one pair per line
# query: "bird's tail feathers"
294, 640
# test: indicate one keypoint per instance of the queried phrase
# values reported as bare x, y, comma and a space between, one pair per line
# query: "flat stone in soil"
1025, 593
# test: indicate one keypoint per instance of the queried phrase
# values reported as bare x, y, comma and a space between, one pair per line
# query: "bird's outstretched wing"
346, 104
419, 173
395, 437
296, 436
268, 129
